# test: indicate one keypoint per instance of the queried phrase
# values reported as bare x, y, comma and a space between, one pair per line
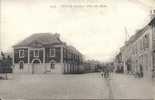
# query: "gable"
39, 40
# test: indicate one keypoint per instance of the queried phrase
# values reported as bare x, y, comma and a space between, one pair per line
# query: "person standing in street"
102, 74
141, 70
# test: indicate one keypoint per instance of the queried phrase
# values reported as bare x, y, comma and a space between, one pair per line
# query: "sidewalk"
154, 88
128, 87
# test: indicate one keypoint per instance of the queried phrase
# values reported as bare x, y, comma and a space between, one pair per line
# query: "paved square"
79, 86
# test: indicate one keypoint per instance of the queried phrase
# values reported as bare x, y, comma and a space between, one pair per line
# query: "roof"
152, 21
39, 39
140, 32
73, 49
45, 40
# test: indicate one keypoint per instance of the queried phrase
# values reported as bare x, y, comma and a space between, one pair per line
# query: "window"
141, 44
52, 52
21, 53
146, 41
36, 53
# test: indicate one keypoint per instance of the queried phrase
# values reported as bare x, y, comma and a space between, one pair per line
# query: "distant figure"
153, 73
102, 74
106, 72
141, 70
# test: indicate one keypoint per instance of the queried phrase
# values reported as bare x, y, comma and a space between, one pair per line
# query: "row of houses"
138, 53
97, 66
92, 66
45, 52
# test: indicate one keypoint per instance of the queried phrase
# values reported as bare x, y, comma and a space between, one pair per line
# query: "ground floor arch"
36, 63
21, 65
52, 65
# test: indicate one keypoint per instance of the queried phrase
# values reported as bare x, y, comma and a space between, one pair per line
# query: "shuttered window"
52, 52
36, 53
21, 53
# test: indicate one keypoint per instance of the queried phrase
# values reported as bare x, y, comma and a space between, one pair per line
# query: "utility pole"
126, 34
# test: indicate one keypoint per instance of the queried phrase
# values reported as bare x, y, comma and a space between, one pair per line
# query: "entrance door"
36, 66
52, 66
21, 65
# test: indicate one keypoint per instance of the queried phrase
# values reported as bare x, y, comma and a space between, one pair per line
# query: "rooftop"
44, 40
139, 33
39, 39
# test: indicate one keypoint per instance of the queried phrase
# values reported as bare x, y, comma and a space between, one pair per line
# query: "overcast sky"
97, 32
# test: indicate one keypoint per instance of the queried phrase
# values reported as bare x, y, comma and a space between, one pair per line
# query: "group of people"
105, 72
139, 74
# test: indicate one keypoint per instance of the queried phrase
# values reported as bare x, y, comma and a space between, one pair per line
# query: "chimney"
152, 13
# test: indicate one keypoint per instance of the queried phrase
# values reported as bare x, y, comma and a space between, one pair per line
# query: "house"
73, 60
45, 52
138, 52
118, 66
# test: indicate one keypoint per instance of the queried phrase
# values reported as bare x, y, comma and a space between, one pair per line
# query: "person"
141, 71
106, 72
153, 73
102, 74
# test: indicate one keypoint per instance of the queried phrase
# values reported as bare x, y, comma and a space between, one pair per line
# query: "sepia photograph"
77, 49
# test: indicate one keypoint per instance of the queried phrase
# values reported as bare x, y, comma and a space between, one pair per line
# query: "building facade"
118, 65
45, 52
138, 52
92, 66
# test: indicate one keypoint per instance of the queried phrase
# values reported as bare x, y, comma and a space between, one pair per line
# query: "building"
153, 40
45, 52
118, 65
138, 53
92, 66
73, 60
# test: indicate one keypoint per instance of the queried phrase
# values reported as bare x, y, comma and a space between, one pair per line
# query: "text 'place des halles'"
44, 66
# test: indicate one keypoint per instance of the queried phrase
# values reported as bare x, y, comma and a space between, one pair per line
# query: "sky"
95, 27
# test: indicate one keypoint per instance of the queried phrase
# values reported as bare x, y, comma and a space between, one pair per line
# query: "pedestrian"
106, 72
141, 71
153, 73
102, 74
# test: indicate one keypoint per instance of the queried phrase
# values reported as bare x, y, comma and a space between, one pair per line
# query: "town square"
77, 50
81, 86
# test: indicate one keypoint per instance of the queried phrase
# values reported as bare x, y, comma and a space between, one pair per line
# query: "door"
21, 65
52, 66
36, 64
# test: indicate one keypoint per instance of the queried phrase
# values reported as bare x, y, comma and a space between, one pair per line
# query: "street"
154, 87
76, 86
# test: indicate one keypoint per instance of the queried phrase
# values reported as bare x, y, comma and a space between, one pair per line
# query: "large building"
138, 53
118, 65
45, 52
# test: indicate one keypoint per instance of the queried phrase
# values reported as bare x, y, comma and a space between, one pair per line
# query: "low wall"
39, 68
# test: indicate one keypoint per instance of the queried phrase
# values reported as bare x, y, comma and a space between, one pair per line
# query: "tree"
5, 64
